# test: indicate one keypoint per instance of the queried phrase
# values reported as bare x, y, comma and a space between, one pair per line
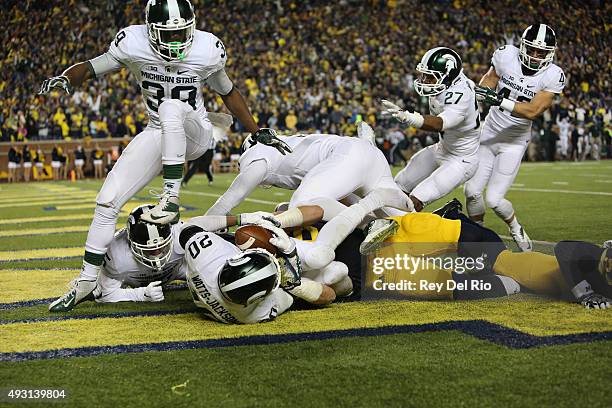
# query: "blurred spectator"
13, 163
97, 157
79, 162
309, 66
27, 163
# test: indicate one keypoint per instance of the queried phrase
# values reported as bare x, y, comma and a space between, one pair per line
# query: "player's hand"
56, 82
154, 292
258, 218
280, 239
269, 137
405, 117
595, 301
488, 96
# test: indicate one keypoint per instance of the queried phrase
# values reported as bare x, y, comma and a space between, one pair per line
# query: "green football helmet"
171, 27
437, 70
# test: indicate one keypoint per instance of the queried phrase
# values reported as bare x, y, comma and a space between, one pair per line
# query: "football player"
322, 169
520, 85
140, 259
171, 61
250, 286
436, 170
579, 271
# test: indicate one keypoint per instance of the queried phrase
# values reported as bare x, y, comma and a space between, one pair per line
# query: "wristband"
293, 217
418, 120
507, 104
309, 290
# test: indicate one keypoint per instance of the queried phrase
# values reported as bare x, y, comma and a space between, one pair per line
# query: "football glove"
154, 292
258, 218
61, 81
407, 118
269, 137
595, 301
488, 96
291, 266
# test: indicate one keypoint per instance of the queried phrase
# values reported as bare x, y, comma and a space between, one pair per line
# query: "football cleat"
81, 290
377, 231
450, 210
522, 240
166, 212
595, 301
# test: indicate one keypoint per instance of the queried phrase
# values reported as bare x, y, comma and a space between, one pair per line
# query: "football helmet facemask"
538, 46
151, 244
437, 70
249, 276
171, 27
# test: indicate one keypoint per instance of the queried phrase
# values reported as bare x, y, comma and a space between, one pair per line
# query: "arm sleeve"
209, 222
220, 82
453, 115
104, 64
112, 292
249, 178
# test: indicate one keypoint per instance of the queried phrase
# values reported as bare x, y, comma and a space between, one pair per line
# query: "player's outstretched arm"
528, 110
234, 101
69, 79
414, 119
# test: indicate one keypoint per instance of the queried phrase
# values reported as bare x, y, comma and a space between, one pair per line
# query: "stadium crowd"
305, 65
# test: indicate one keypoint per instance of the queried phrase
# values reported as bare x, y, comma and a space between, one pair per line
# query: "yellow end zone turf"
536, 316
41, 253
20, 285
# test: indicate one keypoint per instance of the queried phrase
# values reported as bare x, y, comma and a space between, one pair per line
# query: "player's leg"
420, 166
453, 171
474, 187
137, 166
184, 136
506, 168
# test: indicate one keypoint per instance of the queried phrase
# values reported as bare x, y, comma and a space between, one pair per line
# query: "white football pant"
498, 166
432, 173
141, 161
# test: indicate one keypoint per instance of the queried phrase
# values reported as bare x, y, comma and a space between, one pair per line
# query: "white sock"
514, 224
172, 186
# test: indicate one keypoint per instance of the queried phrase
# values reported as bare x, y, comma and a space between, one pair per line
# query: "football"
254, 236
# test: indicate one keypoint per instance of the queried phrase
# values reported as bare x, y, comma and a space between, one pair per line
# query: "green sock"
173, 175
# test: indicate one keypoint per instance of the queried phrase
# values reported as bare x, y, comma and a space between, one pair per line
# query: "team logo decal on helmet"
151, 244
171, 26
249, 276
538, 46
437, 70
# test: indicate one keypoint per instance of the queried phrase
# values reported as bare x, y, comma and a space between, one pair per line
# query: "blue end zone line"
35, 302
480, 329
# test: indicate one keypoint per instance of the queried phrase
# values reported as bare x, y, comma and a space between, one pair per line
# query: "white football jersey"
205, 256
160, 80
500, 125
458, 102
120, 264
287, 171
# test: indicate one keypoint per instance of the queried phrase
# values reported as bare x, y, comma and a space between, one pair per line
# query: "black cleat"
450, 210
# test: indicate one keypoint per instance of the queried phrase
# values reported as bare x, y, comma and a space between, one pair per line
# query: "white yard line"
550, 190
